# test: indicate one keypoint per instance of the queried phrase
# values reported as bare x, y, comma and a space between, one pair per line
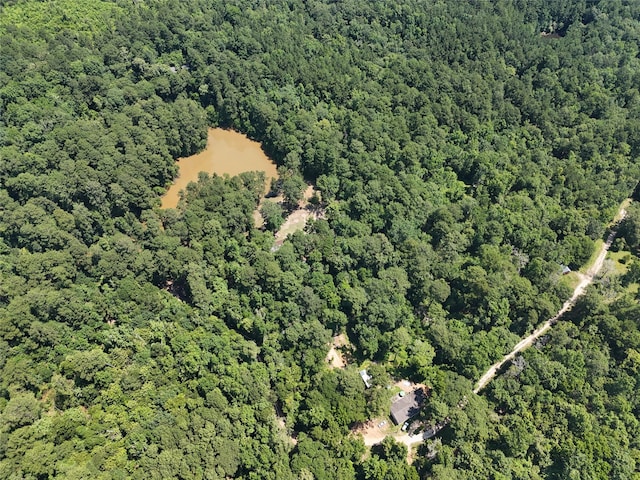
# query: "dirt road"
585, 281
375, 431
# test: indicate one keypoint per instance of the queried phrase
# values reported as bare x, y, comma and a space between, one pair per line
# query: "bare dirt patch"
372, 433
297, 219
335, 357
407, 386
294, 222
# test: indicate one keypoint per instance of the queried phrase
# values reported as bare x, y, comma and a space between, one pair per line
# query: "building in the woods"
366, 378
408, 406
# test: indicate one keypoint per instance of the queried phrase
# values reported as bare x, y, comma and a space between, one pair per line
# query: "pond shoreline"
227, 152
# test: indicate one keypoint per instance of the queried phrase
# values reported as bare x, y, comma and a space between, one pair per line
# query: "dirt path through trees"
374, 431
585, 281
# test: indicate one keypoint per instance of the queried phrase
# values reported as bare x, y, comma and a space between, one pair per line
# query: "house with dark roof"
408, 406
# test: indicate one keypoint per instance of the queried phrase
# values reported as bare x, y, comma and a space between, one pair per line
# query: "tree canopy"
463, 151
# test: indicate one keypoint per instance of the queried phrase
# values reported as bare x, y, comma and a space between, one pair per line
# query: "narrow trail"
585, 281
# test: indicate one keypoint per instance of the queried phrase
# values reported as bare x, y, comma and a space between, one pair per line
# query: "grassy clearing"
621, 265
570, 280
621, 261
632, 288
58, 15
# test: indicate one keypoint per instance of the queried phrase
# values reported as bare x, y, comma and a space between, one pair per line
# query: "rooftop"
408, 406
366, 378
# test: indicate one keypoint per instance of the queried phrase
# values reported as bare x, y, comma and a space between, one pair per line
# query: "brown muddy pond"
227, 152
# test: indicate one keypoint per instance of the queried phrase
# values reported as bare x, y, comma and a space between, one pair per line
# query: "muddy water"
227, 152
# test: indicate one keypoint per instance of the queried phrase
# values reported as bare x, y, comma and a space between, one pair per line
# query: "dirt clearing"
335, 357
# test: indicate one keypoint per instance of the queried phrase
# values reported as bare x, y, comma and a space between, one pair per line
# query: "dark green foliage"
273, 215
20, 410
630, 228
388, 461
461, 158
569, 410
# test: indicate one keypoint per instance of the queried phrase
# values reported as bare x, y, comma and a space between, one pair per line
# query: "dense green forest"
463, 150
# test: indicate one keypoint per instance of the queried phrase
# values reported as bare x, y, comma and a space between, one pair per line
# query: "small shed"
408, 406
366, 378
565, 269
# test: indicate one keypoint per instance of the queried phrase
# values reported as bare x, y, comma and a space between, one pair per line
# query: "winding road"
585, 281
373, 435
